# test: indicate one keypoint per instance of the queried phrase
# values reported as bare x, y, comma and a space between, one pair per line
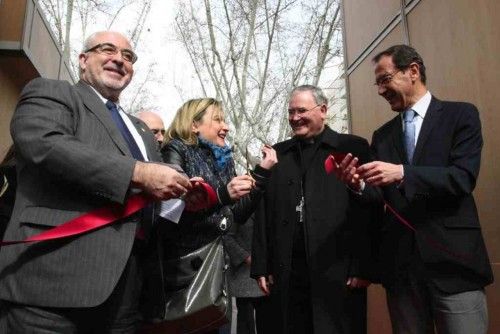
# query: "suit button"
290, 182
285, 222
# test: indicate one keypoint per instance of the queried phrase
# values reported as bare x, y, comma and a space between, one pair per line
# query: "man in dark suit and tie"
427, 161
77, 151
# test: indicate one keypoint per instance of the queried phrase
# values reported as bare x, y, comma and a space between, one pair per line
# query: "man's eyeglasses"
386, 79
111, 49
300, 111
155, 131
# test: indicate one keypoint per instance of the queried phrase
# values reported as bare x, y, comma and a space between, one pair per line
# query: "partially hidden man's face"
155, 124
305, 116
108, 74
395, 86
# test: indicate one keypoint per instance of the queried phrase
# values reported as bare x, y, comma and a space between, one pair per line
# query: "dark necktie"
409, 133
129, 139
147, 212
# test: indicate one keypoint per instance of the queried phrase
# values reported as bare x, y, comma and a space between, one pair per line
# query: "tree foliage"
251, 53
72, 21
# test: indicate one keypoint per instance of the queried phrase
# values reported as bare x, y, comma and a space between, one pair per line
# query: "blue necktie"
409, 133
147, 212
129, 139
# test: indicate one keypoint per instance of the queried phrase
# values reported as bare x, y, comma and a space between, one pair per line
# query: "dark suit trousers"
118, 314
417, 306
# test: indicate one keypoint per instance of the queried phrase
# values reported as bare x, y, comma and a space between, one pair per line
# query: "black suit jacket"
71, 159
436, 197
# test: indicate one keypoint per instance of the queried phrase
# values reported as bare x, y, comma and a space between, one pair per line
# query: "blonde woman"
196, 141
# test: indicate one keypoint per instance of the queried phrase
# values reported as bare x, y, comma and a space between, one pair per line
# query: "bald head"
154, 122
106, 63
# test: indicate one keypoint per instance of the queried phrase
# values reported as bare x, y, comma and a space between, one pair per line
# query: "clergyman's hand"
269, 157
265, 284
347, 172
357, 283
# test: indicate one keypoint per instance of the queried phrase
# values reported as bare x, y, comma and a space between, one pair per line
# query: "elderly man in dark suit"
311, 249
434, 264
76, 151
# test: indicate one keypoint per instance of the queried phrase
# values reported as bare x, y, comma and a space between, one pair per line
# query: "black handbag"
201, 301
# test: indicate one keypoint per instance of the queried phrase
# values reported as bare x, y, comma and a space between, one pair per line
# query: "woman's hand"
269, 158
196, 197
239, 186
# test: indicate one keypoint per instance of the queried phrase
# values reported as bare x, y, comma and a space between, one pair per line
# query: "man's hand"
269, 158
239, 186
159, 181
357, 283
379, 173
265, 284
347, 172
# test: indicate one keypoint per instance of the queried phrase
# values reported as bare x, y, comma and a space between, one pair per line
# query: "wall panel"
366, 20
372, 109
11, 20
44, 51
15, 72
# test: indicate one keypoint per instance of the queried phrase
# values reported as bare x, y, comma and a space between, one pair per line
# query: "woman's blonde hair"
190, 112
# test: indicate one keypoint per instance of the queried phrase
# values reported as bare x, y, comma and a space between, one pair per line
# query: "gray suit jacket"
71, 159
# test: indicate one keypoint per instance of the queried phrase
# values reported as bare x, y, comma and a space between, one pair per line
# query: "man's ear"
82, 59
414, 71
323, 110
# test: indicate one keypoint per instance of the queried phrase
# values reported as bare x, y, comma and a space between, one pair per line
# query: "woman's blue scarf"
222, 154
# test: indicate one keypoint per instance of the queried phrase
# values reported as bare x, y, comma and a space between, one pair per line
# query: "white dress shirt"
129, 124
420, 108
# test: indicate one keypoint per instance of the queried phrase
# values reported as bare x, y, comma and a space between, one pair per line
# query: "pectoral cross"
300, 209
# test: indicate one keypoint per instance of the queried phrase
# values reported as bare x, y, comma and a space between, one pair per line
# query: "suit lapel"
397, 138
146, 135
95, 105
430, 121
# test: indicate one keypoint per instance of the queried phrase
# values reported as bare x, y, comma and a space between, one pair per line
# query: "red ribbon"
104, 216
331, 165
89, 221
208, 192
332, 160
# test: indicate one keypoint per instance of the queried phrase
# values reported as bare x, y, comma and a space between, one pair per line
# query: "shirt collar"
421, 106
104, 100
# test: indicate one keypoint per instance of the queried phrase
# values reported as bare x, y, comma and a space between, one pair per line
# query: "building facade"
28, 50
